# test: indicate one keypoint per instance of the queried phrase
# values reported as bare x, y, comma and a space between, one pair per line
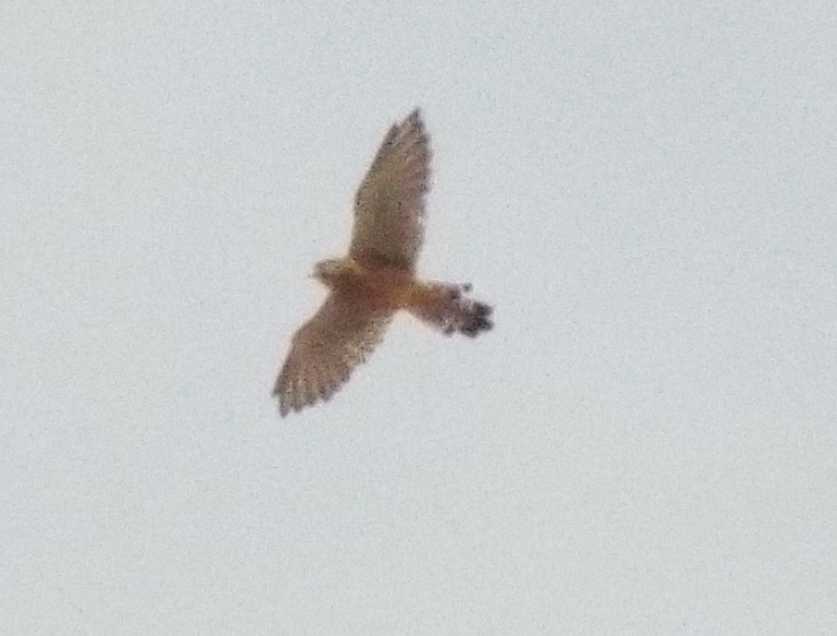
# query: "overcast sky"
645, 444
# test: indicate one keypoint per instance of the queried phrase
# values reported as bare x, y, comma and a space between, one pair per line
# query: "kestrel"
377, 278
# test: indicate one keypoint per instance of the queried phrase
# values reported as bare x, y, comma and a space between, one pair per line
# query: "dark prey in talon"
377, 278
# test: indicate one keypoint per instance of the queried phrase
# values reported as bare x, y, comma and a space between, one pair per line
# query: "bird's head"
328, 271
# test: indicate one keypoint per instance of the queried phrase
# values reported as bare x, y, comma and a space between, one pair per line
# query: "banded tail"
445, 307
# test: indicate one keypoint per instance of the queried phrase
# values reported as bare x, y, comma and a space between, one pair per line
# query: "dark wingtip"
481, 309
414, 117
483, 324
478, 321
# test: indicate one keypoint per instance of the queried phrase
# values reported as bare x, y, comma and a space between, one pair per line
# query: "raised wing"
389, 205
326, 349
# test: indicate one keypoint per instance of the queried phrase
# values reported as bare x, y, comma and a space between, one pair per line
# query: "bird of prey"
377, 277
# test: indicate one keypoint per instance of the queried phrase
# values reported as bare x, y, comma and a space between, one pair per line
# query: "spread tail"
446, 307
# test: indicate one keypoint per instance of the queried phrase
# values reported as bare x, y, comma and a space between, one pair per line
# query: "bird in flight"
377, 278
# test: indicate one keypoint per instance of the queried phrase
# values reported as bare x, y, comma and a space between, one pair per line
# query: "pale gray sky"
645, 444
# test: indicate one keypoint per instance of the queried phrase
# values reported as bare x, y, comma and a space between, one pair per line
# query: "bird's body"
385, 288
377, 278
